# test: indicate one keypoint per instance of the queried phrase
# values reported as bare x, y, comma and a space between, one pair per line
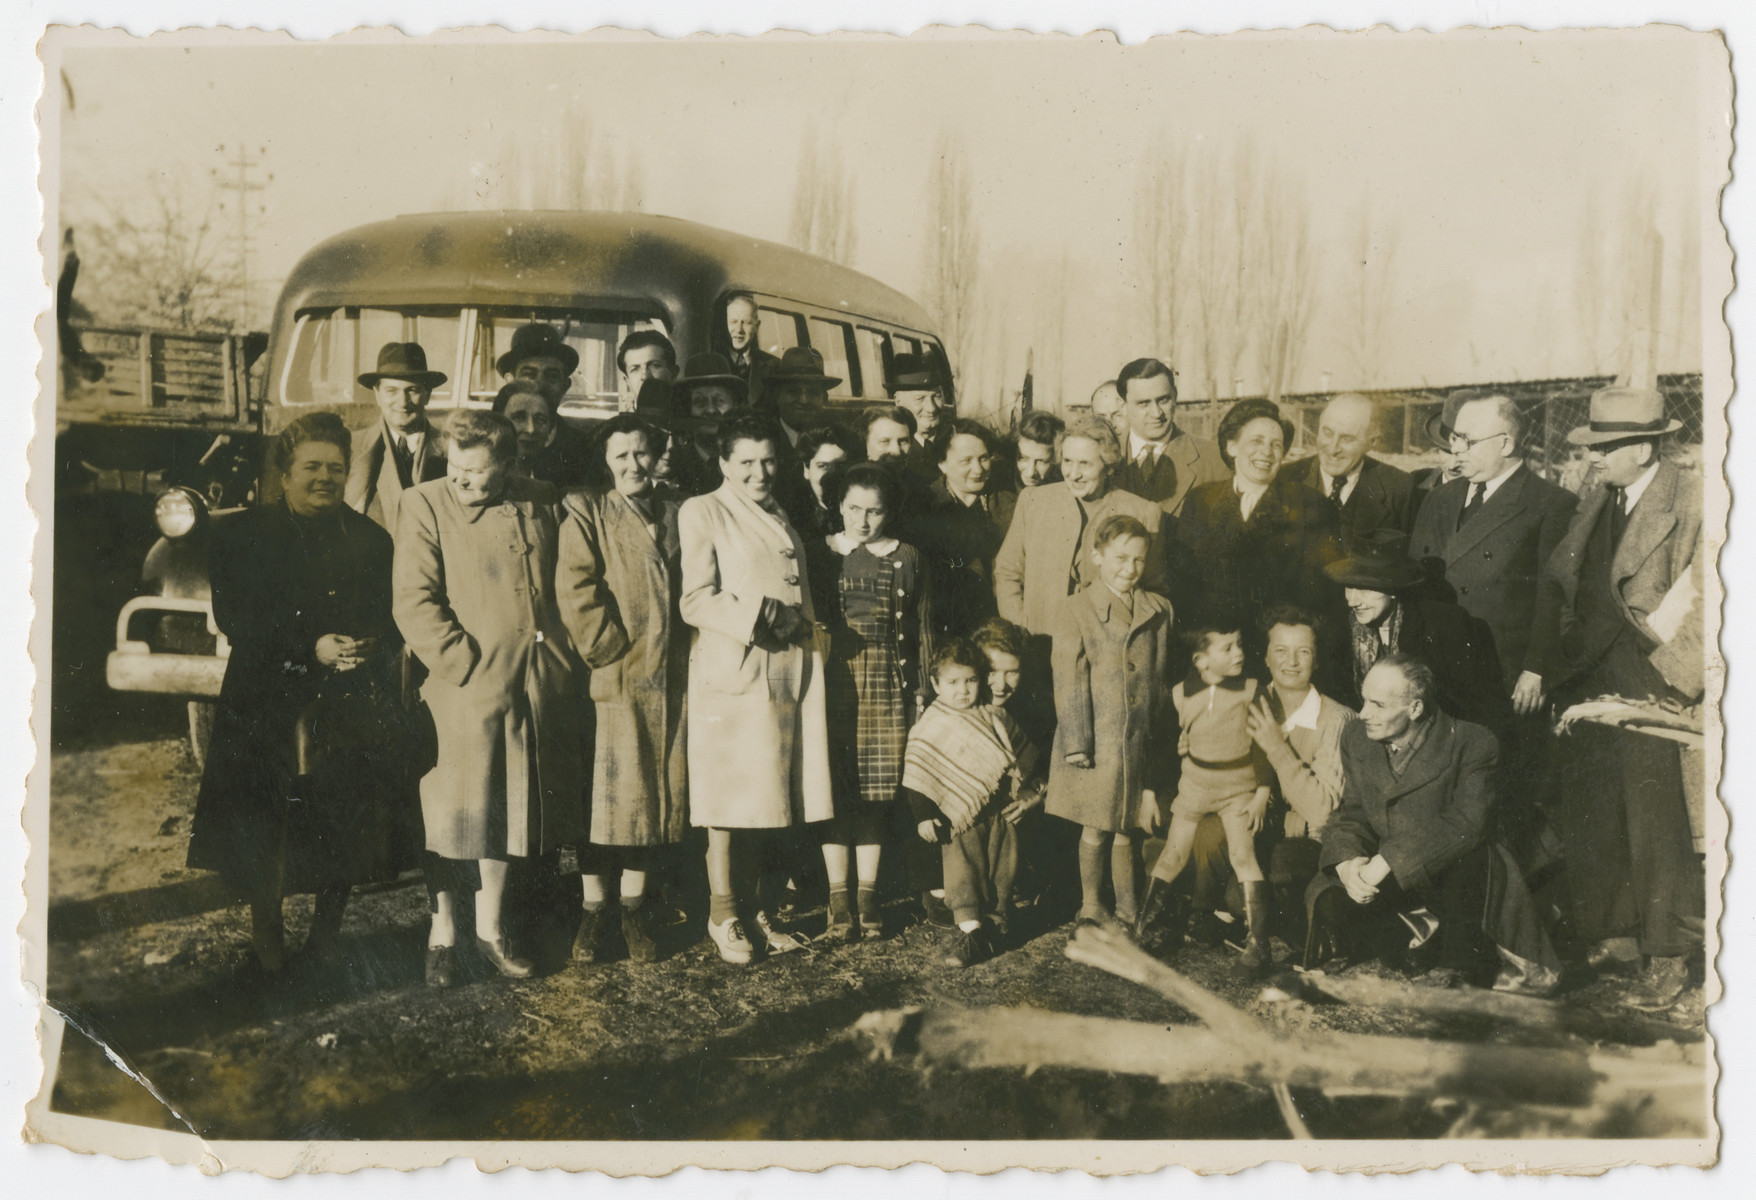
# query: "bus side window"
831, 339
779, 330
874, 363
901, 343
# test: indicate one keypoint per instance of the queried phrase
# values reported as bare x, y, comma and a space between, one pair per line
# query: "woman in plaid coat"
872, 592
617, 580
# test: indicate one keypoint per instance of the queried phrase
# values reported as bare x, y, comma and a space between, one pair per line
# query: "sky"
1479, 156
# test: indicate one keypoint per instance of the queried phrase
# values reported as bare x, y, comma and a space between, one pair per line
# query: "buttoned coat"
1655, 575
1275, 557
958, 542
1046, 555
473, 591
1495, 563
617, 587
373, 486
1186, 462
1111, 703
1458, 648
758, 732
1426, 818
1307, 768
1383, 497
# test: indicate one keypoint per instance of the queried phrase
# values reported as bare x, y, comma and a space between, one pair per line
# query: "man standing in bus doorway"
644, 354
749, 360
915, 384
540, 355
1161, 461
401, 448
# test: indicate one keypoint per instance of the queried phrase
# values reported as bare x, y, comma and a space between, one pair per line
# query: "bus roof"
570, 259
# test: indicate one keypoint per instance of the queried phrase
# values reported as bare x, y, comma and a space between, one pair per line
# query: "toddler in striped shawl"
965, 763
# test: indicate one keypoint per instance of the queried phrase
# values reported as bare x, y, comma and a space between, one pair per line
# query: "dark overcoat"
373, 486
474, 596
617, 586
959, 543
1495, 563
1276, 557
1111, 703
1424, 819
276, 591
1460, 650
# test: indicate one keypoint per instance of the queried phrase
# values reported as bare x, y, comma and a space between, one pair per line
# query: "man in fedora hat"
707, 393
1159, 461
540, 355
1391, 612
917, 385
796, 394
1440, 427
401, 448
1629, 573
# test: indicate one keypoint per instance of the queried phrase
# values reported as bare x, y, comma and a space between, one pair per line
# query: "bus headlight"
177, 512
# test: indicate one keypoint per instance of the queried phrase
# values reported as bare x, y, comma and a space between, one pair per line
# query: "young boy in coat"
1111, 655
966, 767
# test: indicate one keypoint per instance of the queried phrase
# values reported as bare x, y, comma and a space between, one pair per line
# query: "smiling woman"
1259, 537
300, 793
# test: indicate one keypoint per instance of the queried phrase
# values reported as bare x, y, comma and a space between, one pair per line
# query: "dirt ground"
357, 1046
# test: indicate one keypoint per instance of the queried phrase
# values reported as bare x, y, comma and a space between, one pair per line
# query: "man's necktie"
405, 462
1147, 459
1618, 515
1478, 493
1335, 488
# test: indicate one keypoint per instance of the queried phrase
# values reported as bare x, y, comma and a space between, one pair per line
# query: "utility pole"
239, 180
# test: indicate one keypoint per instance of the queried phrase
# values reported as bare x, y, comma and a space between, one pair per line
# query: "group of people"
1174, 680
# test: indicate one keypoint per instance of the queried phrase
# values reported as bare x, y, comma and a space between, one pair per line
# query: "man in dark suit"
749, 361
1409, 868
1389, 614
1159, 461
1629, 575
1370, 495
402, 385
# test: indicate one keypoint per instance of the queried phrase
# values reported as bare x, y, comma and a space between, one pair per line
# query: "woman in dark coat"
549, 449
302, 782
1259, 539
962, 526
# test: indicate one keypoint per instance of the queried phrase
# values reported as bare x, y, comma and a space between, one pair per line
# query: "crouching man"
1408, 869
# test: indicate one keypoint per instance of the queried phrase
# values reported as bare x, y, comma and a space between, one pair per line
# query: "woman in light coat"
617, 582
474, 596
758, 736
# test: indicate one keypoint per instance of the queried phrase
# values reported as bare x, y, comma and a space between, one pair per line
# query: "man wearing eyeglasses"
1494, 529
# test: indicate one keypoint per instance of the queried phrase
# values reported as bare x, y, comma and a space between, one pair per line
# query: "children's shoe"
729, 939
841, 919
871, 917
1000, 931
588, 943
967, 948
638, 930
776, 941
938, 912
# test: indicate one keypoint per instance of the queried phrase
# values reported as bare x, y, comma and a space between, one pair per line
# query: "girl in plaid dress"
872, 593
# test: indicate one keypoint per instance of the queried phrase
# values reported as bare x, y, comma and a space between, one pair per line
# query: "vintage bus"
459, 284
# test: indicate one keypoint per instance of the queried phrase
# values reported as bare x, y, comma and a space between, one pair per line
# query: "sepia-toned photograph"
989, 599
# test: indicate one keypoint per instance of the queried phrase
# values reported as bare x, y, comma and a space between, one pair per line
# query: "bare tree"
1620, 280
953, 250
564, 165
1282, 282
823, 200
157, 259
1372, 256
1161, 237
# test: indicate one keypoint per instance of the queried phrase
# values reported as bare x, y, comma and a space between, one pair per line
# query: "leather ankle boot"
1257, 956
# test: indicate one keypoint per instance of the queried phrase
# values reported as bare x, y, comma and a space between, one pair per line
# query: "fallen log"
1525, 1011
1671, 1084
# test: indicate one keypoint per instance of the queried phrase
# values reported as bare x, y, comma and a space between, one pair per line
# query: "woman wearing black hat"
1260, 539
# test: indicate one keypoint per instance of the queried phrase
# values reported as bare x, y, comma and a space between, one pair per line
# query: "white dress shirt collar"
1632, 493
1347, 488
1493, 485
1304, 716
